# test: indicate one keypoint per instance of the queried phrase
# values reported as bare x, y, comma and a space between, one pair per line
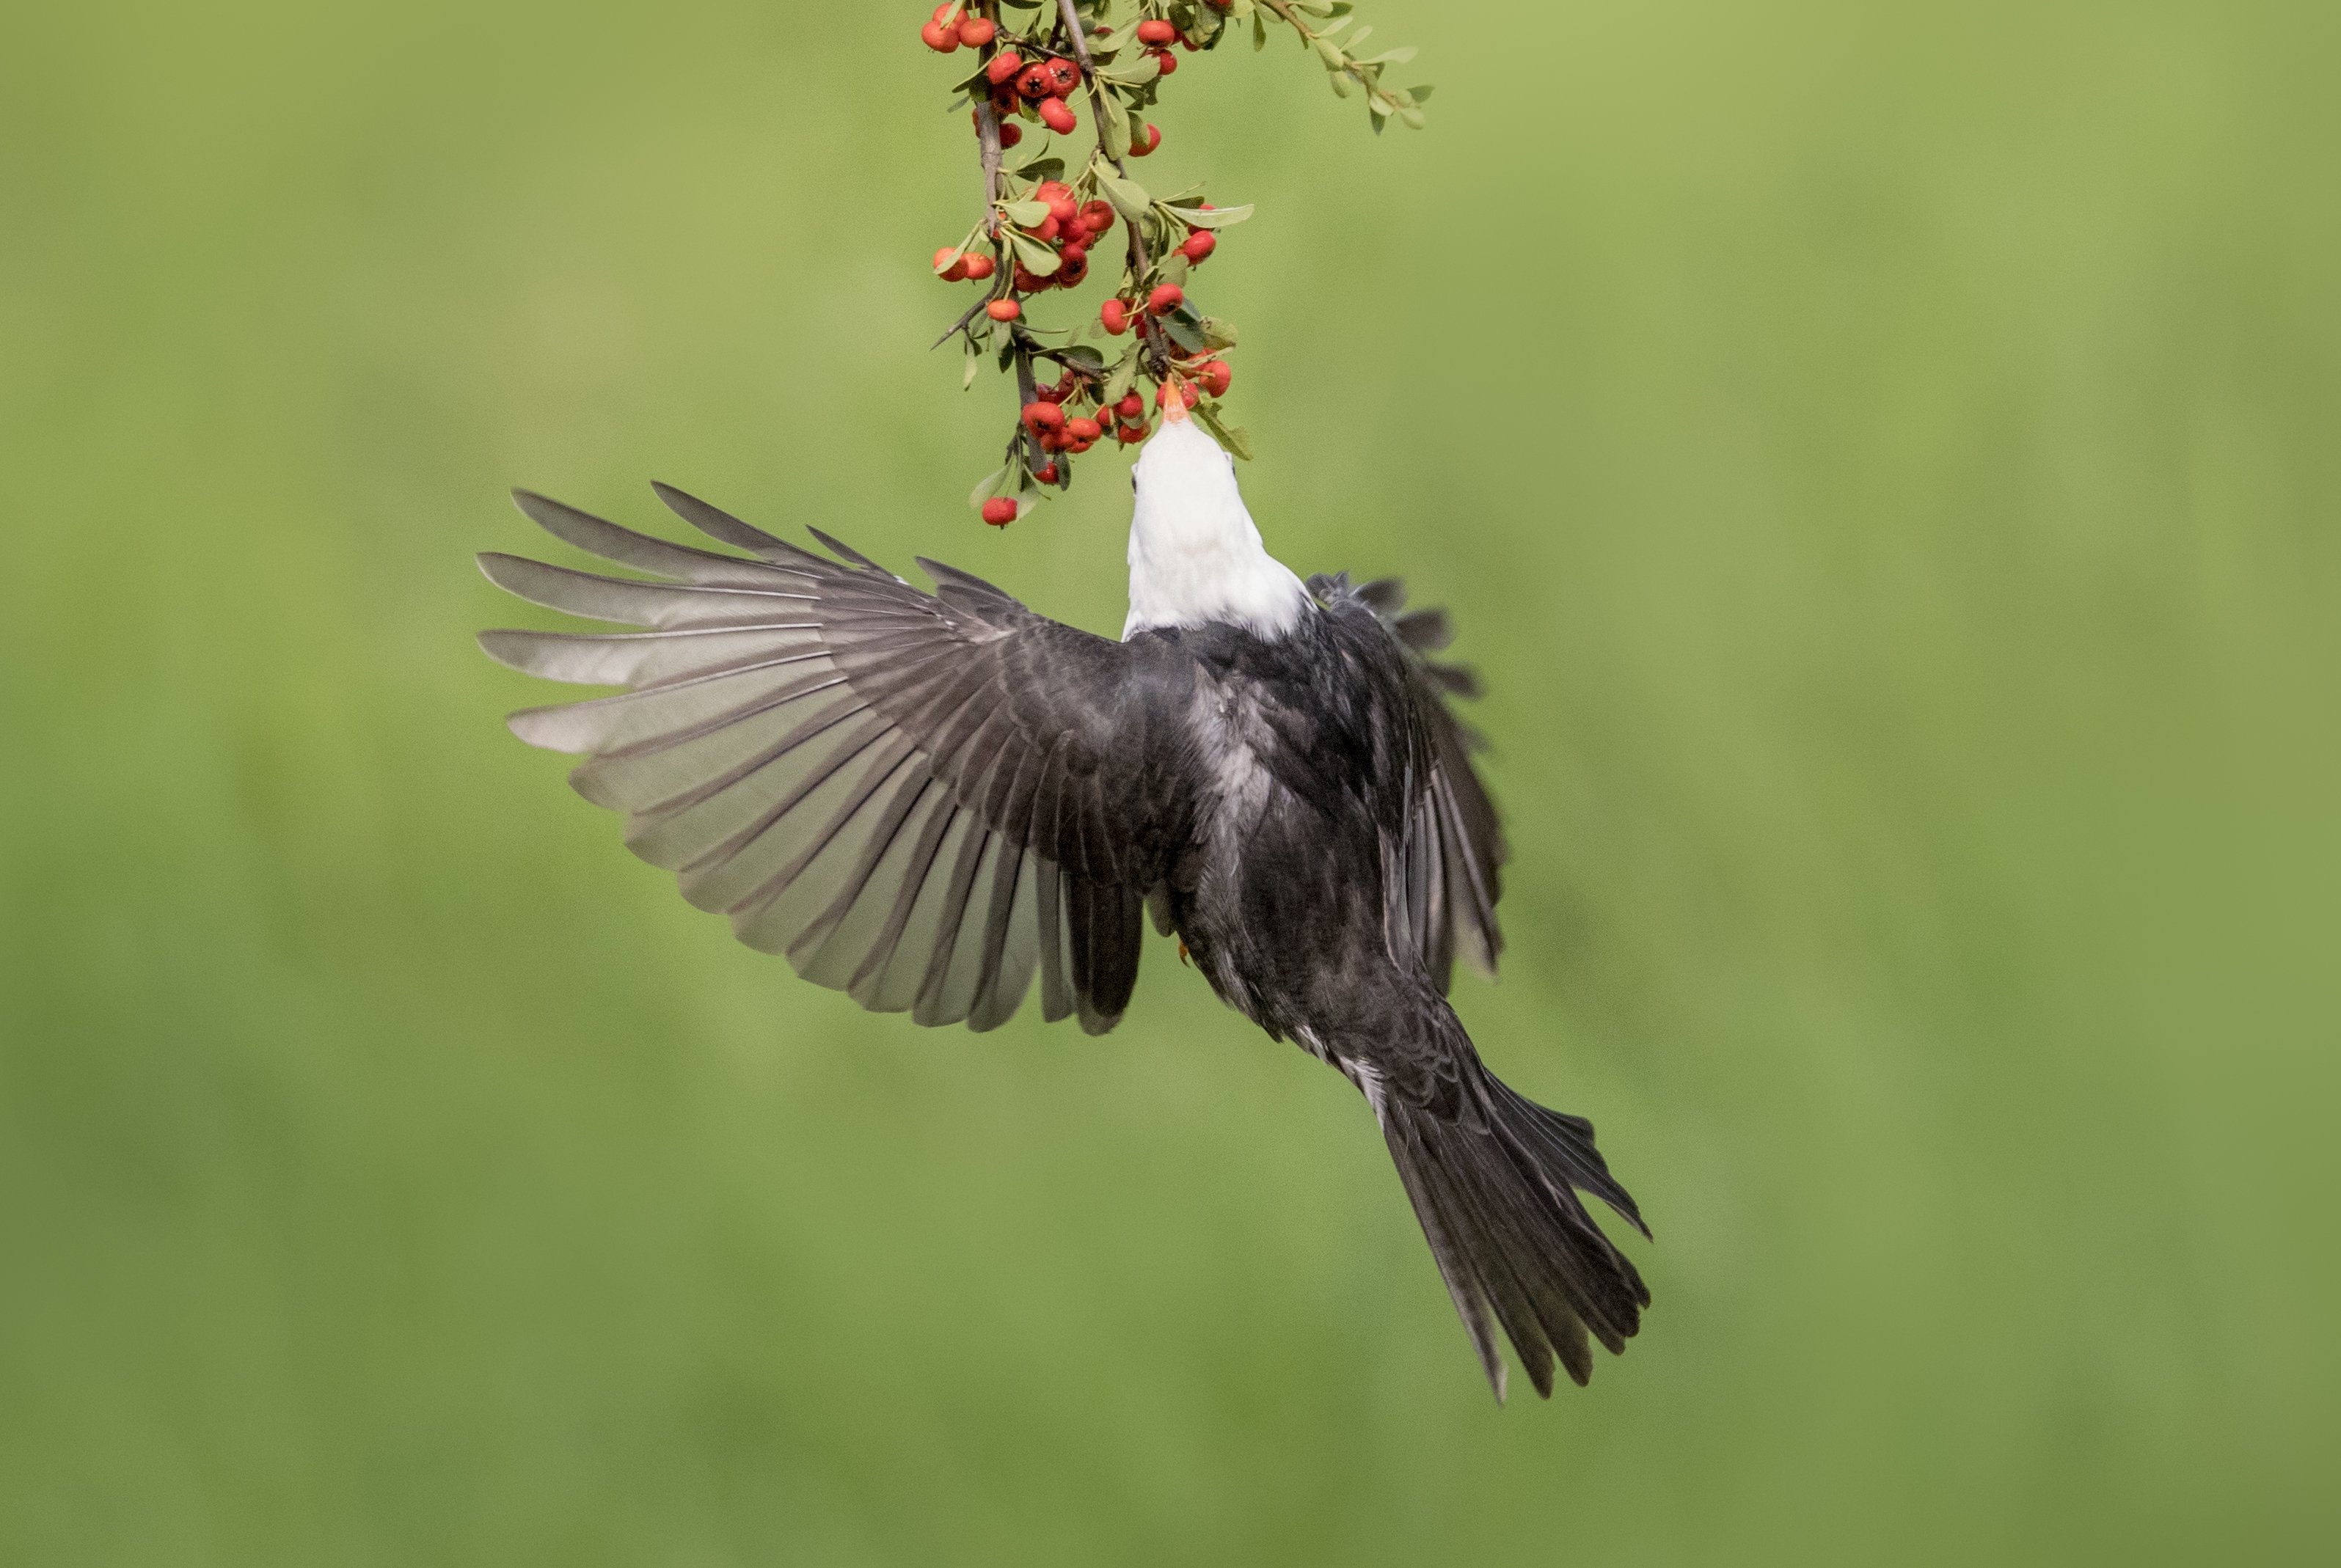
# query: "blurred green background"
1885, 459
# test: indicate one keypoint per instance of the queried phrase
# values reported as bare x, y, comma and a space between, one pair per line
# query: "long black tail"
1494, 1179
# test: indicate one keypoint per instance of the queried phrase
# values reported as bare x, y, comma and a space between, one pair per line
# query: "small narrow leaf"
1398, 57
985, 488
1217, 218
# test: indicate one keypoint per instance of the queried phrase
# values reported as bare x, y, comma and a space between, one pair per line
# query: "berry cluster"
1041, 65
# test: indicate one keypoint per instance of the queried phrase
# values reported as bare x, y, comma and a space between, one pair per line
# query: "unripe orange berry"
978, 267
1115, 315
1000, 511
1057, 116
943, 40
1166, 298
1003, 310
1154, 30
1004, 65
975, 31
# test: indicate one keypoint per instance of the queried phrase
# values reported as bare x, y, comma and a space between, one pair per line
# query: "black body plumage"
931, 801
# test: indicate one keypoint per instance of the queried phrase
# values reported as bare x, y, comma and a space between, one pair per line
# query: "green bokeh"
1885, 459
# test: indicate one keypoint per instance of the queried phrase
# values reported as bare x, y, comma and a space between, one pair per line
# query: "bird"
929, 801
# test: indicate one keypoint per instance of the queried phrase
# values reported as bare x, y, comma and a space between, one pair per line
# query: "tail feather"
1491, 1177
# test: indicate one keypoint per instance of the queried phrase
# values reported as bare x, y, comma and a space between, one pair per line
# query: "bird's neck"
1192, 565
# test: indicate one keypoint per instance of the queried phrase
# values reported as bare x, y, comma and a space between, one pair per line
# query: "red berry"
975, 31
1115, 315
1049, 228
1084, 429
1034, 82
947, 7
1073, 270
1215, 377
950, 270
1064, 209
1041, 416
1075, 246
1046, 474
1154, 30
1200, 243
1057, 116
1003, 310
1063, 76
1011, 133
978, 267
1129, 432
1000, 511
1167, 61
1131, 407
1167, 298
1139, 149
1098, 216
1004, 65
943, 40
1186, 394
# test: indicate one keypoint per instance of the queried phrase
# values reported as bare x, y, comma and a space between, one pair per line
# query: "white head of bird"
1195, 556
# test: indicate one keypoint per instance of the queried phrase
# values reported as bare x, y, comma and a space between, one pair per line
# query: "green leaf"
1136, 74
1172, 268
974, 363
1125, 375
985, 488
1238, 441
1217, 218
1026, 215
1412, 116
1259, 31
1117, 121
1219, 334
1088, 358
1330, 53
1186, 329
1038, 258
1421, 95
1341, 80
1398, 57
1041, 169
1127, 196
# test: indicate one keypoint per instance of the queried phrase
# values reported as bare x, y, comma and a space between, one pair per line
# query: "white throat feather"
1195, 556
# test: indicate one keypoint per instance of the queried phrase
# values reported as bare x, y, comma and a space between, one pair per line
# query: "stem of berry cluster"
1138, 260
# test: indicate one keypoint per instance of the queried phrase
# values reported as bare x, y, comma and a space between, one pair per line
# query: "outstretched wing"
920, 799
1454, 845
